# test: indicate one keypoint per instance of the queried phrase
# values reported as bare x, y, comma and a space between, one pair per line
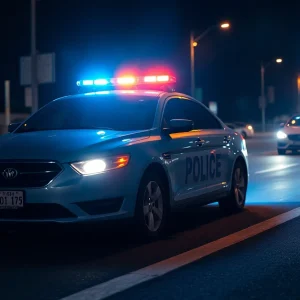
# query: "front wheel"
236, 199
152, 207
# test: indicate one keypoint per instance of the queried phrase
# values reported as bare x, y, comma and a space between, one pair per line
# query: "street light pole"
193, 44
192, 54
263, 103
263, 100
34, 83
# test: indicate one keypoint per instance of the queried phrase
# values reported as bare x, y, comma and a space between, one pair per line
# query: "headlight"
249, 127
96, 166
281, 135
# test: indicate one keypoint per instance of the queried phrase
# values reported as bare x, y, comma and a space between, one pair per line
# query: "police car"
288, 137
126, 147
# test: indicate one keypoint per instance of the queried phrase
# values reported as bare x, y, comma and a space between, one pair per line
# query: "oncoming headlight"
281, 135
96, 166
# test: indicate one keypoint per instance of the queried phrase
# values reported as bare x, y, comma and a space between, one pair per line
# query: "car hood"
65, 145
291, 130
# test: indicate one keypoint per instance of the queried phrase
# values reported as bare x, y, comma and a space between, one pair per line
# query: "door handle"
199, 142
226, 139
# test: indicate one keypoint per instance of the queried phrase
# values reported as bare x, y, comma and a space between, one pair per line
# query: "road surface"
50, 266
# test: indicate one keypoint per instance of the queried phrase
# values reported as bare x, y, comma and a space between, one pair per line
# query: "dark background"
98, 38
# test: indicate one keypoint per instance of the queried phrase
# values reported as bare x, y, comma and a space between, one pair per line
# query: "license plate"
11, 199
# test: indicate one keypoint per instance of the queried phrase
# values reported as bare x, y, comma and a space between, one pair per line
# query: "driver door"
183, 152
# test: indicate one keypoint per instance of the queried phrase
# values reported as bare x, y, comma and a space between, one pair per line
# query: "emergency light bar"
127, 81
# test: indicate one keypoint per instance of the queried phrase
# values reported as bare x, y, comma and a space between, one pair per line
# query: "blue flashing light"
87, 82
101, 82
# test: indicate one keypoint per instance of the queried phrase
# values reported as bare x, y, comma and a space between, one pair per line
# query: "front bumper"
286, 144
72, 198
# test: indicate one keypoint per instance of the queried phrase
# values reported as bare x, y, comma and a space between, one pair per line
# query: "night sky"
98, 38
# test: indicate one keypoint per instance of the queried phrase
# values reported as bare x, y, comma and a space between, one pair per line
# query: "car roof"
115, 92
150, 93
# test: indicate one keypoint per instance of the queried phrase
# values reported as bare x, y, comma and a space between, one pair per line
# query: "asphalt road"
50, 266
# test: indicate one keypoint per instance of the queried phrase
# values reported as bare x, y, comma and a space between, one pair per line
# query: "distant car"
246, 130
288, 137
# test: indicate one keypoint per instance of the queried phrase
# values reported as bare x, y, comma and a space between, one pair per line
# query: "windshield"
115, 112
295, 121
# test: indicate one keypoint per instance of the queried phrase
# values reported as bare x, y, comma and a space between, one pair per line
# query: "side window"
187, 109
177, 109
203, 118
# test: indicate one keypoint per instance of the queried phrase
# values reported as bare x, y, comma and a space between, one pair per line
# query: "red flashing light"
131, 80
161, 78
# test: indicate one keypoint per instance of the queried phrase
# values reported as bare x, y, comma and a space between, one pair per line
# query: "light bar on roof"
128, 81
101, 82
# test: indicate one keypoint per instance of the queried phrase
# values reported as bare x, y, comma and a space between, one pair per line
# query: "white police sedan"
122, 153
288, 137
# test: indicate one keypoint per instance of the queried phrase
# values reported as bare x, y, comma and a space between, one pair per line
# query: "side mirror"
179, 125
13, 126
281, 125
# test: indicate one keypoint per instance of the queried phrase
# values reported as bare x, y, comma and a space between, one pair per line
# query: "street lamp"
34, 82
194, 42
263, 99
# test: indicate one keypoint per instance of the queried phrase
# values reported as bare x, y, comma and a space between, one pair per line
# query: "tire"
152, 212
235, 201
281, 152
244, 135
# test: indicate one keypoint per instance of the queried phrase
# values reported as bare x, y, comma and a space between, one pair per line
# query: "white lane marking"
122, 283
278, 168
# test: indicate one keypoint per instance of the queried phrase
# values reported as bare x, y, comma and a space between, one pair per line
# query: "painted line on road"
264, 153
278, 168
122, 283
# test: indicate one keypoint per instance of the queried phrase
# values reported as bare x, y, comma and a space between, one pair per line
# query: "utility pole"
7, 102
263, 99
34, 82
298, 94
192, 54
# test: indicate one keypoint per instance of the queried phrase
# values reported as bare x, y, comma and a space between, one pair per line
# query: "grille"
31, 211
27, 174
294, 137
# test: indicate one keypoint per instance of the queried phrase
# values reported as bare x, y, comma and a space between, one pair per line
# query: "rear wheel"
281, 152
152, 208
236, 199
